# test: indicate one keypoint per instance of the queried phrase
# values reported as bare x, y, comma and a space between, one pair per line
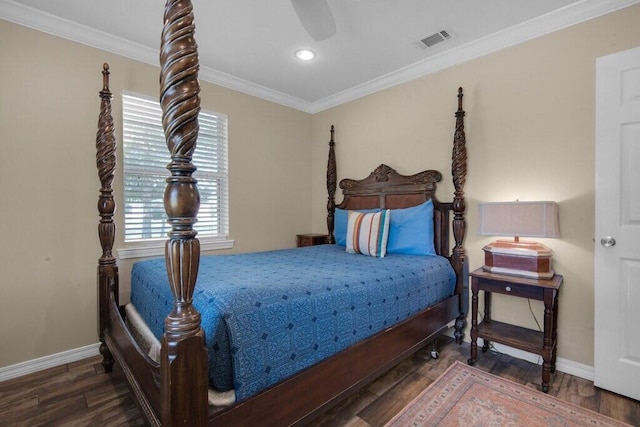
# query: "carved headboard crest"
382, 173
387, 175
385, 188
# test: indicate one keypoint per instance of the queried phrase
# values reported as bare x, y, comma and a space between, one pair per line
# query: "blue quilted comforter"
268, 315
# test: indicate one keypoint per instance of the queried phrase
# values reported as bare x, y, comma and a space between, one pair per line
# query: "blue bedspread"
268, 315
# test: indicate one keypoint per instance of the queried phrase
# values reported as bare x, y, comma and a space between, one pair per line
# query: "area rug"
467, 396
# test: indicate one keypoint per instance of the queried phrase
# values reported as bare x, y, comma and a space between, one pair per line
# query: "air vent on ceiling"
436, 38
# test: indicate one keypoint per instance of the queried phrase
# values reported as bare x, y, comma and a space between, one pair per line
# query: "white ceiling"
249, 45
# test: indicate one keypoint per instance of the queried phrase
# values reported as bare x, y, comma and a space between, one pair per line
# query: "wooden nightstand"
312, 239
542, 343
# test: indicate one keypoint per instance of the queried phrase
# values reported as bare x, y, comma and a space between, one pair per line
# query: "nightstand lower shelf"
513, 336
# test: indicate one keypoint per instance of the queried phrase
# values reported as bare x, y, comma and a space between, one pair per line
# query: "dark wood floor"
80, 394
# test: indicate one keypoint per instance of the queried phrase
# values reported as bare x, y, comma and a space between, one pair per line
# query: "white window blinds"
145, 160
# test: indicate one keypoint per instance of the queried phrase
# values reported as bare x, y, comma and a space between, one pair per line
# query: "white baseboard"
563, 365
46, 362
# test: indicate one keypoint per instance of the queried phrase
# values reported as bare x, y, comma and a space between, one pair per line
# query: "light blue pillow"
411, 230
340, 219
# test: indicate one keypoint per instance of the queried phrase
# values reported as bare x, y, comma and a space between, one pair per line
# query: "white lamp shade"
522, 219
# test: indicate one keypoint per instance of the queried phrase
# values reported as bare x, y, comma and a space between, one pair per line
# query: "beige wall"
530, 136
49, 108
530, 131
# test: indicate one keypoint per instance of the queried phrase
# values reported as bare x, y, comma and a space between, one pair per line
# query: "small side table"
542, 343
311, 239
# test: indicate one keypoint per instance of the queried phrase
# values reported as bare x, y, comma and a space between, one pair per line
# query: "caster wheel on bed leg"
434, 350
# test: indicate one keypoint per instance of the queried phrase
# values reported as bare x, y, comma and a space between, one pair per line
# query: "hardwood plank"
487, 361
109, 391
74, 382
580, 392
387, 381
38, 385
389, 404
513, 369
14, 410
433, 368
52, 413
357, 422
345, 413
80, 394
19, 382
117, 412
619, 407
89, 361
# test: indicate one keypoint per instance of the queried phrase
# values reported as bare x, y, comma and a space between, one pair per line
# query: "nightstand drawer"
311, 239
515, 289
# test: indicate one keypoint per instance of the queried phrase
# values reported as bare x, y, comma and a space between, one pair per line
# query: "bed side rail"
141, 372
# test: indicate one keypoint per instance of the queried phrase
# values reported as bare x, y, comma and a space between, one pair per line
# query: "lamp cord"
537, 323
533, 315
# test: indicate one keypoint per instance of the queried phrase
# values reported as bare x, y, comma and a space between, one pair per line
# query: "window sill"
156, 248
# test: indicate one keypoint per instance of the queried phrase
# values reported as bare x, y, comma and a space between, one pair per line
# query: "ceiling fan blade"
316, 18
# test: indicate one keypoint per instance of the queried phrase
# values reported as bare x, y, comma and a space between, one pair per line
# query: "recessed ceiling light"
305, 55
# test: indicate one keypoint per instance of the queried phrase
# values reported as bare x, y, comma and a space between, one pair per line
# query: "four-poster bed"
174, 389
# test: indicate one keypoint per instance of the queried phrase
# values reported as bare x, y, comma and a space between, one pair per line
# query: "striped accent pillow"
367, 233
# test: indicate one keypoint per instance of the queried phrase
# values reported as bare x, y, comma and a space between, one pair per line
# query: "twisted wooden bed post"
184, 355
459, 257
106, 162
331, 188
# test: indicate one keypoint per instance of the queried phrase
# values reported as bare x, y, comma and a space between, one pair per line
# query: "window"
145, 159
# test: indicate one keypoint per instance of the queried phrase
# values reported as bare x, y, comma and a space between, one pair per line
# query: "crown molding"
557, 20
54, 25
562, 18
219, 78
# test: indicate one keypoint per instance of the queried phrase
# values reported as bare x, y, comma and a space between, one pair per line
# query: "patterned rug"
467, 396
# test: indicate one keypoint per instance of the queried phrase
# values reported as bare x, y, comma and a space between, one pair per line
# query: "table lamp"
518, 219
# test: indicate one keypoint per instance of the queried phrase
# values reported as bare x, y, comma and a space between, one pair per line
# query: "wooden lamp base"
515, 258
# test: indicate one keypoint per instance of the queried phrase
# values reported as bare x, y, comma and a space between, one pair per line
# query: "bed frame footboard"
174, 391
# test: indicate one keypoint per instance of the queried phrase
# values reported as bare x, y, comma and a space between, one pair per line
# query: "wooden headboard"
385, 188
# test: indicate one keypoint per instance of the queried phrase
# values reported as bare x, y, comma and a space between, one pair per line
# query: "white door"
617, 252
